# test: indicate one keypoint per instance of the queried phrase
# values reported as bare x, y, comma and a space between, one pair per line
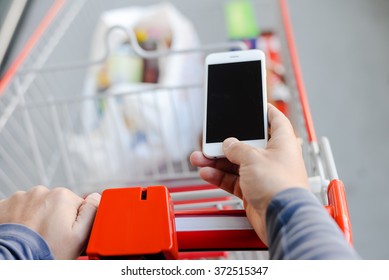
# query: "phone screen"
235, 102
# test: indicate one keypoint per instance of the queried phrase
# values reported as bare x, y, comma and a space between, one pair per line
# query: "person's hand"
257, 175
61, 217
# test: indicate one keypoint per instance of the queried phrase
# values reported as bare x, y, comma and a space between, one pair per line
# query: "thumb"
86, 215
279, 124
237, 152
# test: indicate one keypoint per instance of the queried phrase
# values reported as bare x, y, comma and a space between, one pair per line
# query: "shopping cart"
63, 123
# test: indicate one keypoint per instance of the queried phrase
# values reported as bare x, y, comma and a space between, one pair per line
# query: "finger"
224, 180
86, 215
238, 152
198, 159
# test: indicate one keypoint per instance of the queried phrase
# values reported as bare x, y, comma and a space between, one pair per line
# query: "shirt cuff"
18, 242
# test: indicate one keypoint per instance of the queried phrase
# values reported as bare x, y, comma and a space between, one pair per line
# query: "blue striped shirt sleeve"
298, 227
18, 242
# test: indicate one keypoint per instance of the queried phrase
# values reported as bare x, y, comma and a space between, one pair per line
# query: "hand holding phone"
235, 102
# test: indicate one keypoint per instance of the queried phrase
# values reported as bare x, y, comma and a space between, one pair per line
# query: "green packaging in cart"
240, 19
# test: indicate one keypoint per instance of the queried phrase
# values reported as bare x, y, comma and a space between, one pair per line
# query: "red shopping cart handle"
338, 208
140, 223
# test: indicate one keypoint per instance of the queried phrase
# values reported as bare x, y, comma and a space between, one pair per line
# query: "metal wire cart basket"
109, 94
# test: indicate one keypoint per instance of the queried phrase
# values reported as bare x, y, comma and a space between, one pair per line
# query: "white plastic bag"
143, 130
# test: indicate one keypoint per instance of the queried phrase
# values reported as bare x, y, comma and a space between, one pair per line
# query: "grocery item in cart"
150, 95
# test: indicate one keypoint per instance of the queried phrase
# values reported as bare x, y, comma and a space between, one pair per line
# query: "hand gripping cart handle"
140, 223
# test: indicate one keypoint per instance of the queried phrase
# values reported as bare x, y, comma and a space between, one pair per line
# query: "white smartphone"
235, 101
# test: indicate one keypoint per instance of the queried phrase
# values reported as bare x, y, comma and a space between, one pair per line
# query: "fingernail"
229, 142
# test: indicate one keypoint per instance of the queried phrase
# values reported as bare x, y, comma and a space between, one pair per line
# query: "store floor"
343, 48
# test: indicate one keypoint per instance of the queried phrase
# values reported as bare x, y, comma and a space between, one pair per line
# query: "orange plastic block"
134, 223
338, 202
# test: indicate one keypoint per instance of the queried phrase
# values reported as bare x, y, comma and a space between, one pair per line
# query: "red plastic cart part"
202, 255
192, 188
134, 223
338, 202
137, 222
189, 255
32, 41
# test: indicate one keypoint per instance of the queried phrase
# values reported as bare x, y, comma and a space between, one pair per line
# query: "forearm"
298, 227
18, 242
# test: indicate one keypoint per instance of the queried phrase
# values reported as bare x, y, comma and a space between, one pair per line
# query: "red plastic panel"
337, 200
133, 223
